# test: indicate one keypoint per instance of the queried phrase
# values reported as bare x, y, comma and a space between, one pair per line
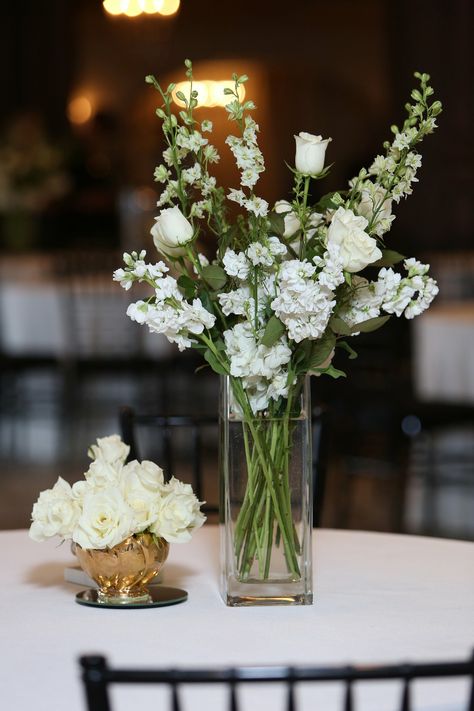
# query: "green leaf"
215, 276
372, 324
331, 201
188, 285
389, 258
321, 350
337, 325
216, 366
206, 301
332, 371
273, 330
346, 347
277, 223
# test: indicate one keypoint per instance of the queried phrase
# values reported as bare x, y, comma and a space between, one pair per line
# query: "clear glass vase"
266, 500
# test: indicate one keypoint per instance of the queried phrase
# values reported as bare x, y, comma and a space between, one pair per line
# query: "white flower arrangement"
284, 289
116, 500
286, 278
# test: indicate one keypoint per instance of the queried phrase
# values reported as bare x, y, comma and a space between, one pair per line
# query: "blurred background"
79, 141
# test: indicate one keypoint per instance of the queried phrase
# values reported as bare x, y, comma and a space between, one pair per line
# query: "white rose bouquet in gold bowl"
284, 291
121, 519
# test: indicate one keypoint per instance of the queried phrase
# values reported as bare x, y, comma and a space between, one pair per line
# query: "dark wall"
339, 68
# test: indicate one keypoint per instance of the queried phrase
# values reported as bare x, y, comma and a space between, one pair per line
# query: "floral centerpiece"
121, 518
283, 291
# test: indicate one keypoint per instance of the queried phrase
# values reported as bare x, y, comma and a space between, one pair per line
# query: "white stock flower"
302, 304
55, 513
178, 513
310, 153
109, 449
357, 248
206, 126
259, 254
106, 520
236, 264
138, 311
171, 232
124, 278
238, 302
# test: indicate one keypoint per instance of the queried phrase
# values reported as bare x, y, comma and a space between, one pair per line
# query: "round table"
378, 598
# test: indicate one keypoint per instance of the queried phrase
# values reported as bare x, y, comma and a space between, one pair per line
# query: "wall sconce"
79, 110
210, 93
133, 8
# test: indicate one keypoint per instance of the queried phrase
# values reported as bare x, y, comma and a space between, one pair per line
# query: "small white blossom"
236, 264
258, 254
192, 175
237, 196
206, 126
257, 205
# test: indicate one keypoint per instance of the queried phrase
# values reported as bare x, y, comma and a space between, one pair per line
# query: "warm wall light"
170, 7
210, 93
133, 8
79, 110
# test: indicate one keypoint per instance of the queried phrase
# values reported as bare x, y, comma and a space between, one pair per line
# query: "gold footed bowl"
123, 572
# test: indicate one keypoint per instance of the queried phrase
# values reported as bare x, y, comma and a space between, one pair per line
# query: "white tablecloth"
379, 598
444, 353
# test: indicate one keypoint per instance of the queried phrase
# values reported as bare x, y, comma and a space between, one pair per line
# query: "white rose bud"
357, 248
109, 449
310, 153
171, 232
291, 220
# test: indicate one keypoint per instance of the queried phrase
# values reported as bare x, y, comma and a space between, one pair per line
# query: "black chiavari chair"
98, 676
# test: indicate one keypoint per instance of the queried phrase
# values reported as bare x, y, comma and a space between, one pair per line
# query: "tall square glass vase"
266, 500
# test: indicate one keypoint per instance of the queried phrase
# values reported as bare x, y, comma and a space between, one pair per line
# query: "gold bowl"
123, 572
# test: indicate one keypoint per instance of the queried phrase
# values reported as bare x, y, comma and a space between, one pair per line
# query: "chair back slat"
94, 669
290, 701
175, 703
233, 703
471, 693
197, 458
348, 697
405, 704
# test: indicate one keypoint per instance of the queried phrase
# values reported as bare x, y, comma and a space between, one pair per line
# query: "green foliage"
215, 276
273, 331
389, 258
216, 366
346, 347
372, 324
321, 350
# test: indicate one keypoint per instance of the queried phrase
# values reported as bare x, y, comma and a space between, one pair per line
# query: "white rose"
375, 198
142, 500
178, 513
101, 474
357, 248
310, 153
292, 223
109, 449
171, 232
55, 513
106, 520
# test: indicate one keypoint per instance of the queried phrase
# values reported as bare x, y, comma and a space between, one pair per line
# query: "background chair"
97, 678
187, 446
